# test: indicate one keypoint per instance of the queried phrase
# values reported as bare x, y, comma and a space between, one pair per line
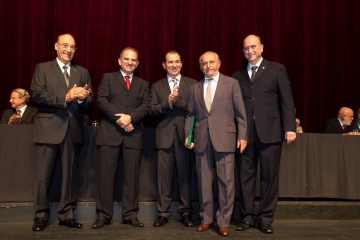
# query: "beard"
346, 123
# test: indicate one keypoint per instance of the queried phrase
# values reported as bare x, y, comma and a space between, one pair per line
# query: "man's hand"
173, 97
128, 128
242, 145
290, 136
191, 144
15, 119
84, 92
123, 120
77, 93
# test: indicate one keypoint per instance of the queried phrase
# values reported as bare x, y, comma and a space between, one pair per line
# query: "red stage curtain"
317, 41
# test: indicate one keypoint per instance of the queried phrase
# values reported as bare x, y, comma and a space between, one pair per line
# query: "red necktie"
127, 81
344, 127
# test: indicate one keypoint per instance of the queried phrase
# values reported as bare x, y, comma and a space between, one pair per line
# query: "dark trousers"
46, 155
269, 156
109, 158
177, 156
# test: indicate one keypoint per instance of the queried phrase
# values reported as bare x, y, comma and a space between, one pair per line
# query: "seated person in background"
341, 124
20, 112
355, 125
298, 127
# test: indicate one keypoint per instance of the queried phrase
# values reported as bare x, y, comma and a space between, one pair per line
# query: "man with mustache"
169, 106
341, 124
123, 98
60, 89
217, 104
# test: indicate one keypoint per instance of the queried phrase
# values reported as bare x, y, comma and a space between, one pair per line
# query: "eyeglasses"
65, 46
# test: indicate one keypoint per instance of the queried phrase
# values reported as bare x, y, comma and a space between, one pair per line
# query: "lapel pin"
263, 67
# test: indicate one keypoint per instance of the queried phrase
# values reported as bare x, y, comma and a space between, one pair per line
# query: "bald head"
253, 49
346, 115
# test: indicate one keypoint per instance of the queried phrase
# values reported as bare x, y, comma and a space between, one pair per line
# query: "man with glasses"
342, 123
20, 112
60, 89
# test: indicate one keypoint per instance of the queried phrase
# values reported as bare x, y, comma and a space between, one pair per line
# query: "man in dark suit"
20, 112
123, 98
271, 119
60, 89
169, 105
217, 104
341, 124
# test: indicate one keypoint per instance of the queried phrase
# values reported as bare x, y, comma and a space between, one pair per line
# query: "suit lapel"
218, 91
165, 85
200, 94
245, 73
55, 68
121, 80
73, 76
135, 81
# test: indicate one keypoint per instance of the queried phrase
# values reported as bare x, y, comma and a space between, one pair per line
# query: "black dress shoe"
160, 221
39, 224
266, 228
243, 226
99, 223
135, 222
71, 223
187, 221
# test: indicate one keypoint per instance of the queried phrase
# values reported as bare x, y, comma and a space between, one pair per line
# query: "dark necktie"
253, 73
344, 127
18, 112
66, 76
127, 79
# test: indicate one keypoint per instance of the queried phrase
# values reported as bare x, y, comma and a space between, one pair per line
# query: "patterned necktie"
253, 73
176, 86
66, 76
127, 79
208, 95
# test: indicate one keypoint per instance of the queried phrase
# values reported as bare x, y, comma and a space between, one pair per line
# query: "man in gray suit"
217, 104
169, 105
271, 119
20, 112
60, 89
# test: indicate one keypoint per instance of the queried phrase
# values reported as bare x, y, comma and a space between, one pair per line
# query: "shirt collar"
61, 64
257, 64
215, 78
124, 74
169, 78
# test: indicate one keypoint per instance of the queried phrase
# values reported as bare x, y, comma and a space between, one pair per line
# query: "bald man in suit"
60, 89
217, 104
271, 119
123, 98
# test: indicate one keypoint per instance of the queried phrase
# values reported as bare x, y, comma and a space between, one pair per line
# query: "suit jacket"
28, 116
114, 97
332, 125
169, 120
269, 99
54, 116
219, 123
354, 125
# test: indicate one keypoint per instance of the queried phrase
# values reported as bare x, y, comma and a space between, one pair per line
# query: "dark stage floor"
283, 229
